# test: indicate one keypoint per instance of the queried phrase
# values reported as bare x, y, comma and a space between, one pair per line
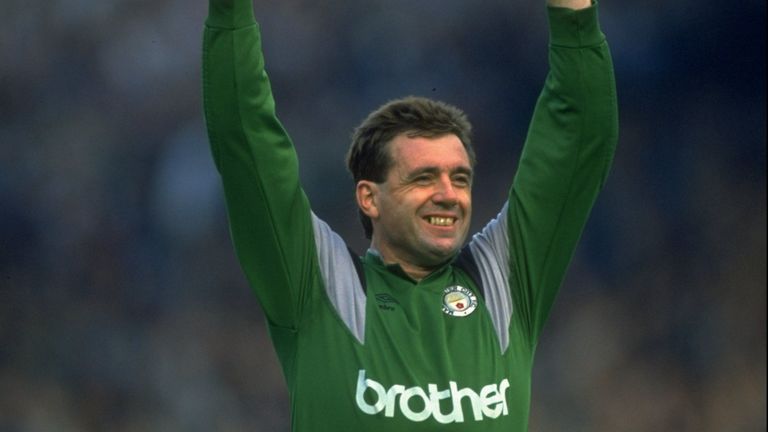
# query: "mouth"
441, 221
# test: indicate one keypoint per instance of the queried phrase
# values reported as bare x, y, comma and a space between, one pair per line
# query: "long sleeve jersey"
364, 347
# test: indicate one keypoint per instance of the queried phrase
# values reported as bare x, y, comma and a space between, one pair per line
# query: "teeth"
441, 221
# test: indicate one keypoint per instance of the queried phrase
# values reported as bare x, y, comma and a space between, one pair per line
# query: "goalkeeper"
424, 331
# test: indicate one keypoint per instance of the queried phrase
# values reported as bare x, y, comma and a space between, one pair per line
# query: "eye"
423, 180
461, 180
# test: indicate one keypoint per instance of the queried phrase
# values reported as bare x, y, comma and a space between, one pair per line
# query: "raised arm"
268, 212
565, 160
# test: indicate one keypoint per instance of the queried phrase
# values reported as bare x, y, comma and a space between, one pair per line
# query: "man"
422, 333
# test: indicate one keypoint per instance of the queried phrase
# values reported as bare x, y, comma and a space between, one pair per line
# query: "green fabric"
441, 372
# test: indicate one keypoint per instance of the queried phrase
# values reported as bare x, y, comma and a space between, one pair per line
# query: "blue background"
122, 307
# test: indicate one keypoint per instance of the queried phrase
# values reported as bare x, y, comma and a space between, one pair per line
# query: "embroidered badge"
458, 301
386, 302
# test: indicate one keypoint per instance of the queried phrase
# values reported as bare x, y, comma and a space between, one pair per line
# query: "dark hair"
368, 157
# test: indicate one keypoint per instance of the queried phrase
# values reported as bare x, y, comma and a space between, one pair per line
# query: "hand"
571, 4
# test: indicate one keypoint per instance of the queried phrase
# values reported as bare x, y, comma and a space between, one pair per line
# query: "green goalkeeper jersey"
363, 346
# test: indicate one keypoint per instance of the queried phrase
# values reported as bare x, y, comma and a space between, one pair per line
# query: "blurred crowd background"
122, 307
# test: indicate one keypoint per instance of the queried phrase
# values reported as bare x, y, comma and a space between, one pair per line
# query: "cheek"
394, 211
408, 201
466, 201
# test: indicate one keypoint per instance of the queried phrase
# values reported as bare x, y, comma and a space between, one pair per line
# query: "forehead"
410, 153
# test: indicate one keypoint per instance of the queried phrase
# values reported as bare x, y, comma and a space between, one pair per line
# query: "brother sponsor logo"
417, 404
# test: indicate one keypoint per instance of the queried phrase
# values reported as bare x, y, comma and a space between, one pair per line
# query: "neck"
414, 271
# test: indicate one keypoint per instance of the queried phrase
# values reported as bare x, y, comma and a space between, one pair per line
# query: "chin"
443, 252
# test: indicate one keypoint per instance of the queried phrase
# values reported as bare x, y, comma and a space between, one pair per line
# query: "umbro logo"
386, 302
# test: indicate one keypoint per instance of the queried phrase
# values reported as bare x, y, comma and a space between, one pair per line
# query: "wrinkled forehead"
445, 152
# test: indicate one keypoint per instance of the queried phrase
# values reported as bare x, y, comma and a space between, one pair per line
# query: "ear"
366, 193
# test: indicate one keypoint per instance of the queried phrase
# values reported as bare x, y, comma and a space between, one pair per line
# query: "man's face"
425, 203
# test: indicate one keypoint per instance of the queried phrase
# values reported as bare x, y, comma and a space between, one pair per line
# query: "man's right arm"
268, 212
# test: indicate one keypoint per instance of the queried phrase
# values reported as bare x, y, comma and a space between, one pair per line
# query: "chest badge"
458, 301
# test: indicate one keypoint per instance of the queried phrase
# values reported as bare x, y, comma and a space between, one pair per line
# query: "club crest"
458, 301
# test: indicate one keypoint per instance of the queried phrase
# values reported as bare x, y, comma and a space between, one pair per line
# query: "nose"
446, 193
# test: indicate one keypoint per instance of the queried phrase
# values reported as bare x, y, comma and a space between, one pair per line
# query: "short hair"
369, 158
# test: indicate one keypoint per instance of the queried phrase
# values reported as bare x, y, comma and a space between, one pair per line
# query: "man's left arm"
564, 163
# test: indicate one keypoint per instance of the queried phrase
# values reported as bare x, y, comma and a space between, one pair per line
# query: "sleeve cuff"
230, 14
574, 28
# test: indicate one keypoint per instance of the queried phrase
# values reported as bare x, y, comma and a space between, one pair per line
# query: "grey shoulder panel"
490, 250
340, 277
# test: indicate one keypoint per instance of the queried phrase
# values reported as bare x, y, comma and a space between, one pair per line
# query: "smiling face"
421, 212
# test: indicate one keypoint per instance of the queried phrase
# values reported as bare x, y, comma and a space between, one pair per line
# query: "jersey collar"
373, 257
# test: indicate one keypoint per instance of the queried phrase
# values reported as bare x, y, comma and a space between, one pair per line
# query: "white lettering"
362, 385
392, 393
418, 405
435, 396
406, 409
489, 395
503, 390
459, 394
